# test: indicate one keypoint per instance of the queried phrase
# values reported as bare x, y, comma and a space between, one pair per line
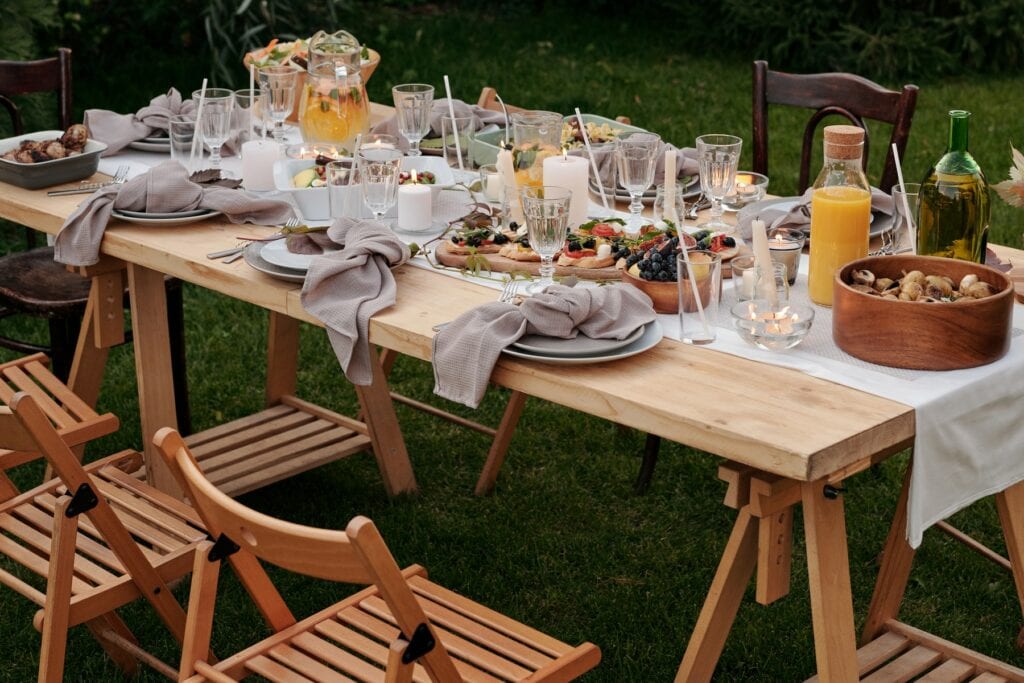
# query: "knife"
85, 189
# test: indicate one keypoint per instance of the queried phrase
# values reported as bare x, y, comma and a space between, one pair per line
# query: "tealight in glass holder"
785, 246
772, 326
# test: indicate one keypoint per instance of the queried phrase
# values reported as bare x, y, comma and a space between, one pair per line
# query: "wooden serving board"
501, 264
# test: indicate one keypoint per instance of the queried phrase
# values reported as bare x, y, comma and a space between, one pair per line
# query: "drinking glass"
278, 86
413, 102
340, 185
546, 209
182, 130
717, 157
637, 156
247, 119
215, 122
457, 156
699, 283
903, 236
378, 170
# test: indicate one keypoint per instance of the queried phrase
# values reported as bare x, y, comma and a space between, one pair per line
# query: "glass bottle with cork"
954, 201
840, 210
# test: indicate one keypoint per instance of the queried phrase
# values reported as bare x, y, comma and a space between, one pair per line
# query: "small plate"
276, 253
880, 222
580, 345
149, 145
256, 262
690, 190
181, 218
651, 336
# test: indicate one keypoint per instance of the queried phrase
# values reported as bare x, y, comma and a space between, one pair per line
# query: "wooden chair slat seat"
365, 636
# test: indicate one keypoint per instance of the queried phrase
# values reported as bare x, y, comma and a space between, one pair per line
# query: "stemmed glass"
546, 209
218, 104
378, 171
413, 102
637, 156
717, 157
278, 86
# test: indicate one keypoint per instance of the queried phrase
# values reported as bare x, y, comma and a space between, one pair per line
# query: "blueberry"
455, 239
514, 225
656, 257
574, 246
655, 267
589, 243
728, 242
500, 239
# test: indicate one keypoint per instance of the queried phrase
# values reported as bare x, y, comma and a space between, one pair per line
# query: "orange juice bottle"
840, 210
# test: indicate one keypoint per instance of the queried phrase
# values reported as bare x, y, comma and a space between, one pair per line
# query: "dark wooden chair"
852, 97
31, 282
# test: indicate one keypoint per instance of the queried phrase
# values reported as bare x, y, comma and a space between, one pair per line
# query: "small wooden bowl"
922, 336
665, 295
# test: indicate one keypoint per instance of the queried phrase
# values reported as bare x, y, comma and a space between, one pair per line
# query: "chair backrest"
357, 555
75, 420
41, 75
847, 95
489, 100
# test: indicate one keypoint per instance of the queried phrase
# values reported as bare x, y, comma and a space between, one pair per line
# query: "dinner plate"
277, 253
180, 218
152, 145
651, 336
580, 345
690, 190
880, 222
257, 262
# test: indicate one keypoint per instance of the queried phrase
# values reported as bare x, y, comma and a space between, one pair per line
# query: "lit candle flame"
413, 178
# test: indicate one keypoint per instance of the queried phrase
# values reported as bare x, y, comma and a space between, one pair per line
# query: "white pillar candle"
415, 206
258, 157
747, 284
508, 180
669, 211
571, 173
763, 259
493, 187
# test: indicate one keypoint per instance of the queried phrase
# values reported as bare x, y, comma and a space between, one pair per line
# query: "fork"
234, 253
701, 202
120, 177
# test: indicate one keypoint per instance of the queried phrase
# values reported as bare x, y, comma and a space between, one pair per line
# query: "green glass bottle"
954, 202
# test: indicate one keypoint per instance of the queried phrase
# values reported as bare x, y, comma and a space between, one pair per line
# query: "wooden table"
831, 431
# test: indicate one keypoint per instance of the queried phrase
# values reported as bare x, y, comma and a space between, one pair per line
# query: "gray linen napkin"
482, 117
164, 189
118, 130
466, 350
344, 289
799, 216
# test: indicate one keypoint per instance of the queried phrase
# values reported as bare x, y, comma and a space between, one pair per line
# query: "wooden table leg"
828, 570
723, 601
282, 357
102, 327
1010, 504
152, 368
388, 445
499, 447
897, 558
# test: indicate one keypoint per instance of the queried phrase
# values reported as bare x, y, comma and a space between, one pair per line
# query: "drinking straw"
455, 127
906, 204
199, 119
352, 170
593, 161
696, 294
504, 110
252, 96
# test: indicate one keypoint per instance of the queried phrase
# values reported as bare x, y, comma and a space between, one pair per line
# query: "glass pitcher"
537, 135
333, 108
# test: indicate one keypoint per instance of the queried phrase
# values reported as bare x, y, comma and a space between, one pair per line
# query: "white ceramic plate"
579, 345
691, 190
651, 336
277, 253
182, 218
880, 222
152, 145
256, 262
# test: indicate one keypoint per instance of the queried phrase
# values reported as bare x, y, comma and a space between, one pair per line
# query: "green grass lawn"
563, 543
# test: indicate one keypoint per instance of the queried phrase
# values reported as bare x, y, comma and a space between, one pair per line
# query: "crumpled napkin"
344, 289
118, 130
481, 117
164, 189
799, 216
466, 350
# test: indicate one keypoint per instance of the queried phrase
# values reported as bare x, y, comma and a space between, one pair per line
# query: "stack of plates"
582, 350
274, 259
160, 144
691, 189
165, 219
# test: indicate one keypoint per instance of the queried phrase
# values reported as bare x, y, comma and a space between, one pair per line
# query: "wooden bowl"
665, 295
922, 336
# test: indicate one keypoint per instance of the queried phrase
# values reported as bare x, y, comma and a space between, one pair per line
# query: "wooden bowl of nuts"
922, 312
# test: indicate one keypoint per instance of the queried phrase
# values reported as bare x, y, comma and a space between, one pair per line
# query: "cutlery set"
120, 177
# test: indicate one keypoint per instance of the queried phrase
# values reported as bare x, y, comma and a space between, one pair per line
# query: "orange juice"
840, 217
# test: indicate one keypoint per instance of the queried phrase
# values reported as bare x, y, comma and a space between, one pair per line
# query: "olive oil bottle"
954, 201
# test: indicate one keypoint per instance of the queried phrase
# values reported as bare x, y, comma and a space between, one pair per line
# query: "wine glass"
278, 86
413, 102
215, 122
546, 209
717, 157
378, 171
637, 157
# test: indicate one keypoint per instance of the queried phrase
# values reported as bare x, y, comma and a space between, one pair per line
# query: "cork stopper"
844, 142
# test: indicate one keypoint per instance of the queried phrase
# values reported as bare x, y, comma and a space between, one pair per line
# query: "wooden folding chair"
76, 421
133, 541
401, 628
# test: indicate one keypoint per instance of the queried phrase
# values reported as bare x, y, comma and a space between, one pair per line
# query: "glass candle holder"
785, 246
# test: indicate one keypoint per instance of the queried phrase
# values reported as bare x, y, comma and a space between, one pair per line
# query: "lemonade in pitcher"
333, 107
